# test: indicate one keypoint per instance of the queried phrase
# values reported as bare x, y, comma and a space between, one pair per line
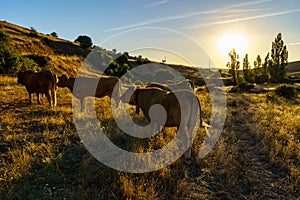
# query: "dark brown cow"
172, 86
105, 87
43, 82
144, 98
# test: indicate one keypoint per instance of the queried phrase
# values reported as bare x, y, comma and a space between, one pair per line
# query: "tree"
266, 64
234, 65
247, 69
54, 34
33, 32
279, 60
257, 65
84, 41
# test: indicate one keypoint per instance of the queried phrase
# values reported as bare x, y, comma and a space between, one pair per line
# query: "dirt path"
239, 167
261, 179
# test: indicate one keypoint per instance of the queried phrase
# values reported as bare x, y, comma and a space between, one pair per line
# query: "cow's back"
187, 102
106, 86
41, 82
182, 107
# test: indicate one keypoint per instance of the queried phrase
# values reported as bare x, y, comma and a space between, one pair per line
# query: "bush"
262, 79
84, 41
245, 86
42, 61
115, 69
11, 62
27, 64
54, 34
287, 91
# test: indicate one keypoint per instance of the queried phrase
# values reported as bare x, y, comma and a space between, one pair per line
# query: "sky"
196, 32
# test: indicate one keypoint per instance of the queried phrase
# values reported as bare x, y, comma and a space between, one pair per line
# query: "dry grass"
65, 64
42, 156
279, 119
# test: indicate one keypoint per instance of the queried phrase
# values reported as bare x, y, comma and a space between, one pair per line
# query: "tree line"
273, 68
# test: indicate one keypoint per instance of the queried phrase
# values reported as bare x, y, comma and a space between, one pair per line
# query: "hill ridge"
30, 41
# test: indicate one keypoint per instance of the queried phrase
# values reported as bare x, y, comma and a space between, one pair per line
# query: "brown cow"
105, 87
43, 82
144, 98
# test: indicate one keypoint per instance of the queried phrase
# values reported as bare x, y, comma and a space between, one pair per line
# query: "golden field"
42, 156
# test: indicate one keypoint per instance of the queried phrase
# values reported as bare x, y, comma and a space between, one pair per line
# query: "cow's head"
62, 81
130, 95
21, 75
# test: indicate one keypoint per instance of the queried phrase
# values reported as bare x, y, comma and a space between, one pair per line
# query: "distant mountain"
294, 67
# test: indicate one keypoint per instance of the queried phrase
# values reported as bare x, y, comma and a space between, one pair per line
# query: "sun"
235, 41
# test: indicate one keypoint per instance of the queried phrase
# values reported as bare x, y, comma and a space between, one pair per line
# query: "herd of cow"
175, 97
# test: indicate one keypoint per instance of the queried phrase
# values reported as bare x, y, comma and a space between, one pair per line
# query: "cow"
172, 86
105, 87
43, 82
144, 98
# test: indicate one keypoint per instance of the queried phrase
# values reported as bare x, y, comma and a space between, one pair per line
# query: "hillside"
66, 56
29, 41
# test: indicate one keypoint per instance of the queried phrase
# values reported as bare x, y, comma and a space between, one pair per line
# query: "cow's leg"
188, 152
48, 98
38, 98
53, 95
82, 104
29, 94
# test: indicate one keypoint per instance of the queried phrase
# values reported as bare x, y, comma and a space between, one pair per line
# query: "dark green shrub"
11, 62
27, 63
262, 79
41, 60
84, 41
245, 86
115, 69
287, 91
54, 34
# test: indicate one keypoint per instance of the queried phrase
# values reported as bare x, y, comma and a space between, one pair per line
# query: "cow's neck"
70, 84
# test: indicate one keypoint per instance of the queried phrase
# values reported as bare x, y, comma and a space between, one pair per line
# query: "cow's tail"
194, 113
202, 123
54, 88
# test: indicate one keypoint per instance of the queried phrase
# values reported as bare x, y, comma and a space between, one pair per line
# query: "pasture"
42, 156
